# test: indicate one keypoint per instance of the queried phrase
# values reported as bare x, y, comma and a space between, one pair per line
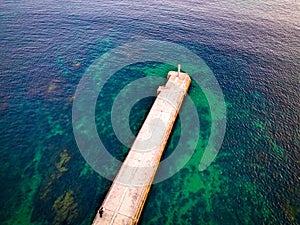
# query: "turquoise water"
253, 49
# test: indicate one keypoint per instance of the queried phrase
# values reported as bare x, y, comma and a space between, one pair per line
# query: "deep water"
253, 49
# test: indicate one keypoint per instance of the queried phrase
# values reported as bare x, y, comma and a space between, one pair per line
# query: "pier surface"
124, 202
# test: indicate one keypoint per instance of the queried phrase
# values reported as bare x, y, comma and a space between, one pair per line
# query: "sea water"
252, 48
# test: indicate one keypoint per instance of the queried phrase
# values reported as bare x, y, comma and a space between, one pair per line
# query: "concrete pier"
124, 202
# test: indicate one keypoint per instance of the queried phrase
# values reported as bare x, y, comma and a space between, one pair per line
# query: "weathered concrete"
125, 200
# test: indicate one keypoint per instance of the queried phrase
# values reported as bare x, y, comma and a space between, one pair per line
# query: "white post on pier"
178, 70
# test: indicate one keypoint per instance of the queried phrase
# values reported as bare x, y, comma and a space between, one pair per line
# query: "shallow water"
253, 49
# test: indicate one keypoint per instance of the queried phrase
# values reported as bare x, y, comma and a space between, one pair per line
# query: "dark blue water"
253, 49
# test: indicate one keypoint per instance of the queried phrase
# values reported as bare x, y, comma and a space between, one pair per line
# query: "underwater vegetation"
65, 208
61, 167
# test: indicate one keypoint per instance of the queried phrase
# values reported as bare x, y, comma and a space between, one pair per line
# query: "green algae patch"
278, 150
56, 128
64, 159
260, 125
65, 208
86, 170
61, 167
263, 129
